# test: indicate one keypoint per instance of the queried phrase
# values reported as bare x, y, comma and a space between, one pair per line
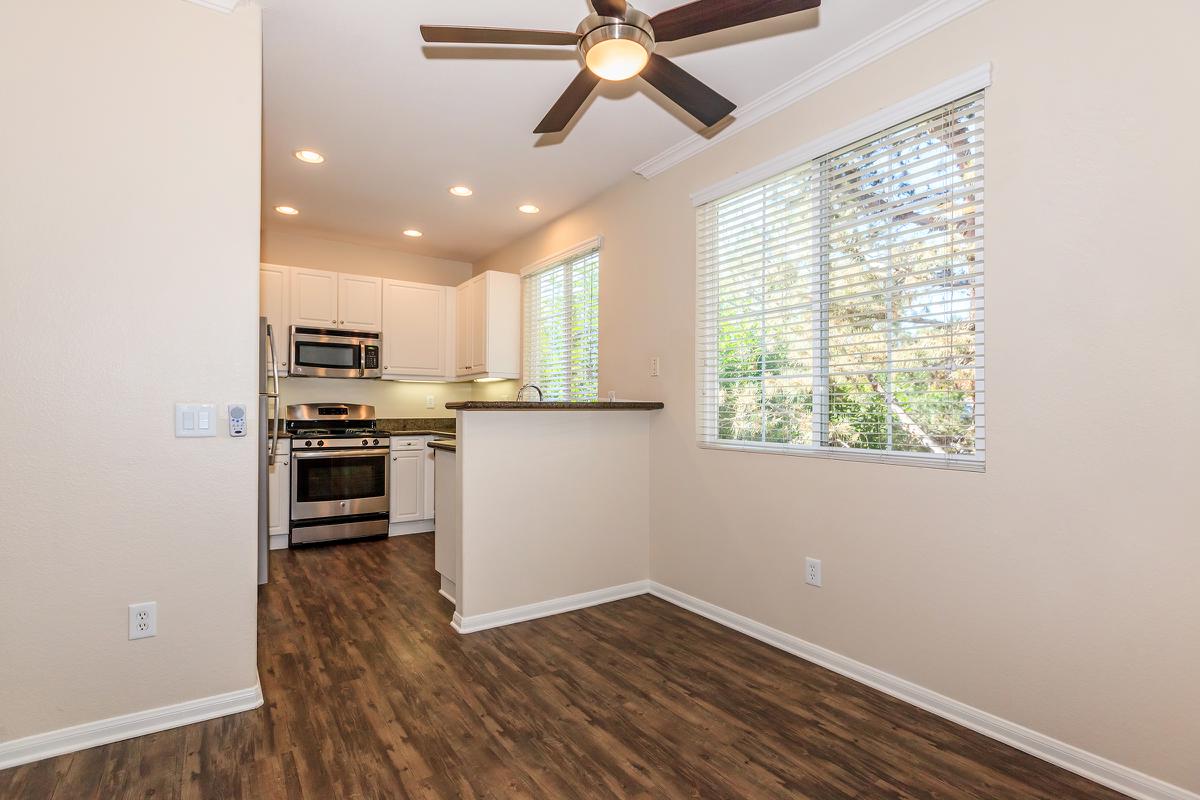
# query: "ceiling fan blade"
610, 8
460, 35
690, 94
574, 97
703, 16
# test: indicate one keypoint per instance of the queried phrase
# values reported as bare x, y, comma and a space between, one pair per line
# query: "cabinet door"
359, 300
479, 327
314, 300
408, 486
501, 302
414, 329
273, 285
279, 492
463, 331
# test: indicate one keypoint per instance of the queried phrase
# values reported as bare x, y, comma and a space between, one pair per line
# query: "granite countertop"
444, 444
550, 405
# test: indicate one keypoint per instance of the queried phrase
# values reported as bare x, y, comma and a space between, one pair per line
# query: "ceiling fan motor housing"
634, 27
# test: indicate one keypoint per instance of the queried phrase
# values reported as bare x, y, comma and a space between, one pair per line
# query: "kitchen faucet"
538, 389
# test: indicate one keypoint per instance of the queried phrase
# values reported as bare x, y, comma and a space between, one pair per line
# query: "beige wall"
313, 250
129, 255
1059, 589
519, 543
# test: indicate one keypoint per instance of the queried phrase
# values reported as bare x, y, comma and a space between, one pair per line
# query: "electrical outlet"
429, 401
654, 367
812, 572
143, 620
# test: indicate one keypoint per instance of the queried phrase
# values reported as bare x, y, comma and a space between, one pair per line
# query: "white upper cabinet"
415, 330
359, 302
314, 298
273, 295
489, 326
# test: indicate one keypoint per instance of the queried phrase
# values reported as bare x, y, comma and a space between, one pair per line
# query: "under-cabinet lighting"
488, 380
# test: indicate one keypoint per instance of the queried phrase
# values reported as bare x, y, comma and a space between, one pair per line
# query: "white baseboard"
405, 528
447, 589
278, 541
547, 608
1093, 767
127, 726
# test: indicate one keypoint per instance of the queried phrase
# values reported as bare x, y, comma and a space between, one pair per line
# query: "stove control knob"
308, 443
320, 443
373, 441
364, 442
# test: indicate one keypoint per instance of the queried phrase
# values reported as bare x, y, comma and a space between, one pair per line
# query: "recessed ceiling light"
528, 208
461, 191
413, 233
291, 212
310, 156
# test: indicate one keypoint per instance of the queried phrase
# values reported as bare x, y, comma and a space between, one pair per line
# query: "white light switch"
195, 419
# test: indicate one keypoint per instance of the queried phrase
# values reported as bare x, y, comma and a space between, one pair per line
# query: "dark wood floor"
370, 694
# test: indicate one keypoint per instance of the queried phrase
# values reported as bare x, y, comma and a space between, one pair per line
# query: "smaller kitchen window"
561, 302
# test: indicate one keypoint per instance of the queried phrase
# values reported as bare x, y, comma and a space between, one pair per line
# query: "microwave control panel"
371, 357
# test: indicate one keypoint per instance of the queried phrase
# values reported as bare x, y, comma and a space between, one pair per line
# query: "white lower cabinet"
407, 481
279, 496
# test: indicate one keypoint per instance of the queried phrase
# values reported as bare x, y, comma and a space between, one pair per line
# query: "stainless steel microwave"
332, 353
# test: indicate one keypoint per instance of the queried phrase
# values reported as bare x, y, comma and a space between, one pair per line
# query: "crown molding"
224, 6
912, 26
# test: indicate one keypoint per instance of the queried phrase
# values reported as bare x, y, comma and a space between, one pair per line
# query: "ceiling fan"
617, 42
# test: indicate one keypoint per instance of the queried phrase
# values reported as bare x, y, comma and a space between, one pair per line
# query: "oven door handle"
364, 453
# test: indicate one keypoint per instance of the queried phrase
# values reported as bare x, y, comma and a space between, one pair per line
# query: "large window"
562, 324
840, 304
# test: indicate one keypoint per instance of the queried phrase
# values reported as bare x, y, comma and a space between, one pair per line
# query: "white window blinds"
562, 325
840, 304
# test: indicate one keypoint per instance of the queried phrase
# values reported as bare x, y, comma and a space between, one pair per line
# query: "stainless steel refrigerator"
268, 435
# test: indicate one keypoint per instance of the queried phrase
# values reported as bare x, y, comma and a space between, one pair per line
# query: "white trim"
945, 92
546, 608
910, 27
224, 6
964, 463
595, 243
127, 726
413, 526
1093, 767
279, 541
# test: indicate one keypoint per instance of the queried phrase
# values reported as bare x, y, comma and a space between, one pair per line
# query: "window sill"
927, 460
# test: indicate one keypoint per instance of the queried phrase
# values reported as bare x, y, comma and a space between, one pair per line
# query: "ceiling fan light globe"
617, 59
615, 51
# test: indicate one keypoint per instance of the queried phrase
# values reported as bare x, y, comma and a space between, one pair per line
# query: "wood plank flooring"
370, 694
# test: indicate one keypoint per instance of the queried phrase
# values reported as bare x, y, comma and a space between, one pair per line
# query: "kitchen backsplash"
392, 399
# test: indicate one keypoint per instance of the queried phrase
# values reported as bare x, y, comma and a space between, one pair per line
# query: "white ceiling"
401, 121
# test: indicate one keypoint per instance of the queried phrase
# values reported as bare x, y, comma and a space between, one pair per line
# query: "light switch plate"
194, 420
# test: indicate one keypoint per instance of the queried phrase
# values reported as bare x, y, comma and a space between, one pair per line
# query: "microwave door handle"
362, 359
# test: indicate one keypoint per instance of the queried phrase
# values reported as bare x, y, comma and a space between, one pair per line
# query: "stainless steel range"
340, 473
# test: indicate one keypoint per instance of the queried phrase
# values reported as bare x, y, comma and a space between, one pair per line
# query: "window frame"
558, 259
708, 393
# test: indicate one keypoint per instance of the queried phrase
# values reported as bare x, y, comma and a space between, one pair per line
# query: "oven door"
318, 356
339, 483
